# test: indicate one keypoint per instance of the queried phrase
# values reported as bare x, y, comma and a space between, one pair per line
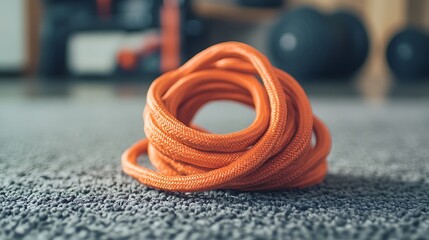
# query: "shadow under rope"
342, 192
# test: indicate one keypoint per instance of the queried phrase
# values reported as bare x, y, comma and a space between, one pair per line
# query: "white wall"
12, 35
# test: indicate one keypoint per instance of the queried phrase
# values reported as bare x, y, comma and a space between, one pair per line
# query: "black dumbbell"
408, 54
310, 44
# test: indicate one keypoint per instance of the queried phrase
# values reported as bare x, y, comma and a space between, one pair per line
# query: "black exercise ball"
408, 54
352, 44
260, 3
300, 42
309, 44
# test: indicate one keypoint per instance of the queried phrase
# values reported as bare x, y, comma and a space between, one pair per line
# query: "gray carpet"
60, 177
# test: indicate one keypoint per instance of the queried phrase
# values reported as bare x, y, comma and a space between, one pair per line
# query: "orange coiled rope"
274, 152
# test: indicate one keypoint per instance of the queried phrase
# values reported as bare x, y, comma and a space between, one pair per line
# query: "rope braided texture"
286, 146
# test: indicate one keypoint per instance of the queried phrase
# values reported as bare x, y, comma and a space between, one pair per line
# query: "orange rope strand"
274, 152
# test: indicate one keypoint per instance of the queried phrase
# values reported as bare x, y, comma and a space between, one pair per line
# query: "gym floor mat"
60, 177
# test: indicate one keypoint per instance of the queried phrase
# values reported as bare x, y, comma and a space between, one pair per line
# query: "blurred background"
374, 49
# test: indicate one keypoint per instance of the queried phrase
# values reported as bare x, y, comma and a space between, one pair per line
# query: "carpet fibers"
60, 177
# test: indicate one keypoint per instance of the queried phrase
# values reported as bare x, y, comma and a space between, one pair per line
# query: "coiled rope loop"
274, 152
